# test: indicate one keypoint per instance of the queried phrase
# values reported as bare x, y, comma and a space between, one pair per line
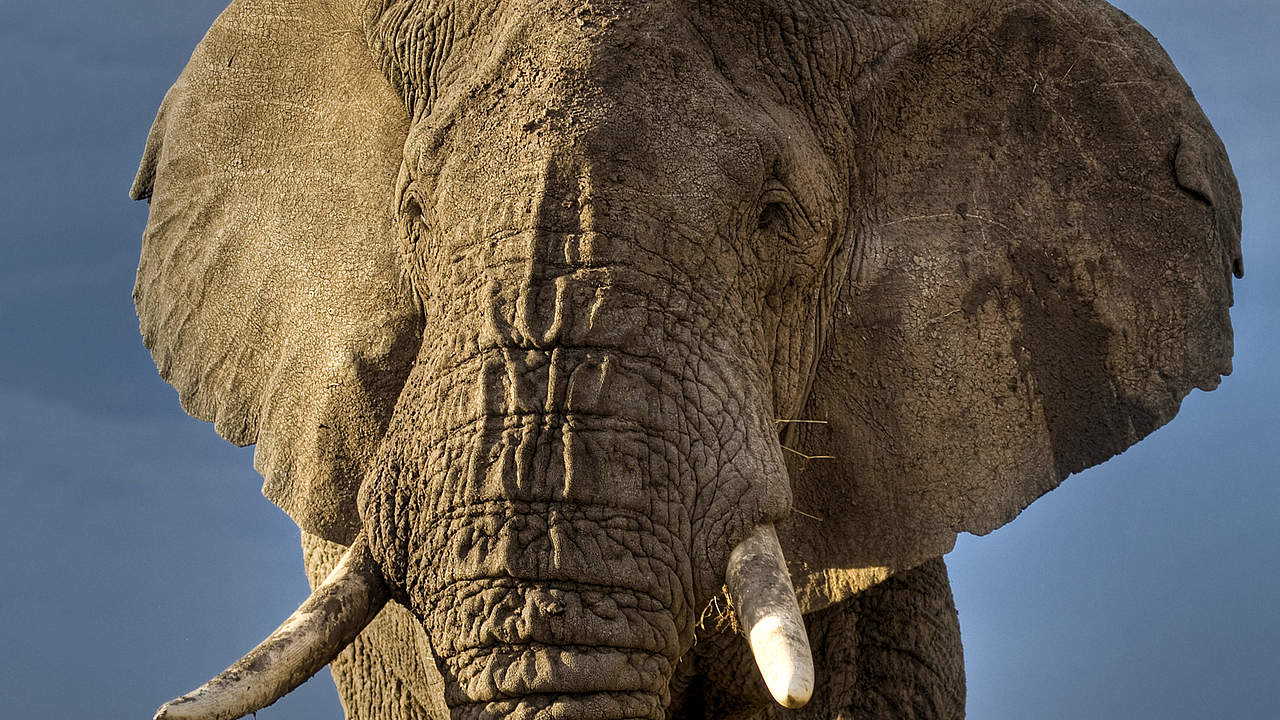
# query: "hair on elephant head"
549, 320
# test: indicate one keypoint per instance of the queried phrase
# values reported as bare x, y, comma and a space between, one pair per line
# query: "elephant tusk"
760, 588
329, 620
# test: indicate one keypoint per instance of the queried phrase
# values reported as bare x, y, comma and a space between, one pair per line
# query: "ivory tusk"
761, 591
335, 613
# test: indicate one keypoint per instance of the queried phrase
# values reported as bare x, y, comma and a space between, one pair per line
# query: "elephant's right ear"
269, 288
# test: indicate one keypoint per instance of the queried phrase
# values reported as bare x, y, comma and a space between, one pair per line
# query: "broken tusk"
344, 604
761, 590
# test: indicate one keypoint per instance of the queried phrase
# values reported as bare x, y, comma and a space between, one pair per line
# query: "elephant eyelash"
412, 226
773, 215
781, 212
411, 203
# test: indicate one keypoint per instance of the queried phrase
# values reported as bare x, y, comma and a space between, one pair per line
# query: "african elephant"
558, 326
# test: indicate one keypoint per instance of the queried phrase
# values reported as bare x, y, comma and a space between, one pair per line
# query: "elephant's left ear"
269, 286
1042, 274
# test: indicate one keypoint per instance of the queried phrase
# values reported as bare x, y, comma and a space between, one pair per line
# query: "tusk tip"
793, 702
172, 710
195, 706
786, 664
791, 692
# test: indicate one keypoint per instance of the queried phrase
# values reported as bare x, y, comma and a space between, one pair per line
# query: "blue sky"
139, 557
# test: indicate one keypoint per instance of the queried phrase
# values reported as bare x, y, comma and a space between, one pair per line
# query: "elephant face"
618, 325
545, 307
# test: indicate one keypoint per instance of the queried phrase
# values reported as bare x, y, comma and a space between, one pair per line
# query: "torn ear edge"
144, 179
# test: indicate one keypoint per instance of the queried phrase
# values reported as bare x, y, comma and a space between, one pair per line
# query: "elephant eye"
412, 222
411, 204
412, 218
773, 216
780, 213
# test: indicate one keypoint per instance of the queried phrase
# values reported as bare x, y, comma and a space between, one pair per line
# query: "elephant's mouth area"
567, 706
542, 675
510, 647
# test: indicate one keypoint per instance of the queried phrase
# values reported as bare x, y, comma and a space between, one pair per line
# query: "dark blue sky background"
138, 557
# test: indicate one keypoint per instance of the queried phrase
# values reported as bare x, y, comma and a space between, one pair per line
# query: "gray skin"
534, 294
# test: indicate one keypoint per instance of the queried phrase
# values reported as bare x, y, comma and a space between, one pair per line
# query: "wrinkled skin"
891, 652
632, 353
539, 283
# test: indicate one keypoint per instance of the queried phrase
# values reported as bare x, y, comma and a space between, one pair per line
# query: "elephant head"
545, 308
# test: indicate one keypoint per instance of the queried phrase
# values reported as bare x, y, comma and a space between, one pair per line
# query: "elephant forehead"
646, 142
425, 44
600, 71
613, 104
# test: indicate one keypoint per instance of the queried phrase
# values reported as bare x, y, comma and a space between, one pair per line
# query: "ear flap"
269, 285
1043, 273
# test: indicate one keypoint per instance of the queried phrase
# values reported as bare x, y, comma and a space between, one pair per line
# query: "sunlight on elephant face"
545, 308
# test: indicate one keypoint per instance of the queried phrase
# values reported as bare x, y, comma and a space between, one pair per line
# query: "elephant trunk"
555, 512
546, 549
569, 601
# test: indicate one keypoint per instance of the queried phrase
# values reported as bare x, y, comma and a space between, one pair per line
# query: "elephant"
642, 360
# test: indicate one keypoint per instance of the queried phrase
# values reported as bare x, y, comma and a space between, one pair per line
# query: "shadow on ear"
1043, 273
269, 286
